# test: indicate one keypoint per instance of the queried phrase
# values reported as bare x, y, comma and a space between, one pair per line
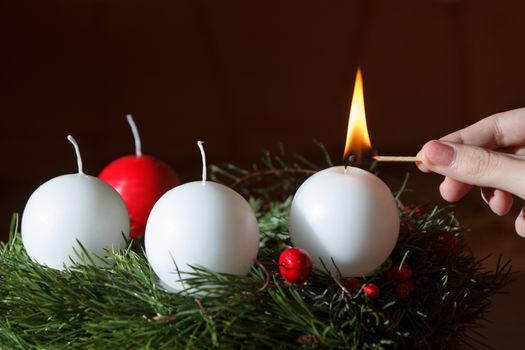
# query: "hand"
489, 154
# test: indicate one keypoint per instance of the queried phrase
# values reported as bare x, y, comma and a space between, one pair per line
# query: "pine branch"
273, 177
278, 171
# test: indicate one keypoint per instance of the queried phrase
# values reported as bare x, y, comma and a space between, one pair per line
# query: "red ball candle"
141, 180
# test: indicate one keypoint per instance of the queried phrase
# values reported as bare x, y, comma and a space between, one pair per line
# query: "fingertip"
452, 190
421, 155
500, 202
438, 154
419, 163
445, 192
520, 223
486, 194
422, 167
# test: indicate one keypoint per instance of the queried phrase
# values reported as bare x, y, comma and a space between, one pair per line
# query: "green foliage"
121, 305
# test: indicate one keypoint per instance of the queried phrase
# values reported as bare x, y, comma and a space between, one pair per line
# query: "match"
406, 159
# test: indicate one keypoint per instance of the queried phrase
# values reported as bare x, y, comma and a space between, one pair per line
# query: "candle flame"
357, 139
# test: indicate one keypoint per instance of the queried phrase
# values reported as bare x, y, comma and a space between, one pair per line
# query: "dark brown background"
247, 75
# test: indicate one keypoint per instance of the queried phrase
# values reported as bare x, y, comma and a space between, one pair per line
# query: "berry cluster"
447, 245
399, 275
402, 277
409, 215
295, 266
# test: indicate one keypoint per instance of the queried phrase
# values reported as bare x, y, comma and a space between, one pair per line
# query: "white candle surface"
200, 223
349, 216
73, 207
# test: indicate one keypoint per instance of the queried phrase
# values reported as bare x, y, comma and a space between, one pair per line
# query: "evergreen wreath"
432, 294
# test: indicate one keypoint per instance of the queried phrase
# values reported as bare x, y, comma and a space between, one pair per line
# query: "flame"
357, 139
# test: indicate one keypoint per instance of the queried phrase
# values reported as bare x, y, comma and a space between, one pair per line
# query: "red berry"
295, 265
412, 210
371, 290
390, 275
404, 289
404, 273
448, 244
353, 285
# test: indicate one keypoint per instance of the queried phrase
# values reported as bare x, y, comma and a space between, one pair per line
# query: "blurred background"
246, 76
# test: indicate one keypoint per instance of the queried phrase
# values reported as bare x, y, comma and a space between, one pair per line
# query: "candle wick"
349, 161
77, 151
136, 136
203, 156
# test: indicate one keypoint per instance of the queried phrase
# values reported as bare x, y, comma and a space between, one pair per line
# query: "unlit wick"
77, 151
136, 136
203, 156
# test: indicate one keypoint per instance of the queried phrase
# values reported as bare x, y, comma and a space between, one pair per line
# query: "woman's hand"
489, 154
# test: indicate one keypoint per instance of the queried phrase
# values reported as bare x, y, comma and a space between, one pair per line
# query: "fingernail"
440, 154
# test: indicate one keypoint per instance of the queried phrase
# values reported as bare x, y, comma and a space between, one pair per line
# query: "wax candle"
200, 223
72, 209
346, 217
141, 180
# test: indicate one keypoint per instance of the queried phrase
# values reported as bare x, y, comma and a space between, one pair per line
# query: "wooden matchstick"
395, 159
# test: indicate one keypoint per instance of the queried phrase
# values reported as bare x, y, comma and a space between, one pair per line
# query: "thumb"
475, 166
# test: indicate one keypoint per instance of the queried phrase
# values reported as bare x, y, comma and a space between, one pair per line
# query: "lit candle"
346, 216
69, 209
200, 223
141, 180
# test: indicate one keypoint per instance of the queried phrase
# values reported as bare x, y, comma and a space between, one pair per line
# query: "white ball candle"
69, 209
203, 224
349, 216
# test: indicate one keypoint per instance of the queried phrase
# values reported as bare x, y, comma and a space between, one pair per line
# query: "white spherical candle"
200, 224
349, 216
69, 209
